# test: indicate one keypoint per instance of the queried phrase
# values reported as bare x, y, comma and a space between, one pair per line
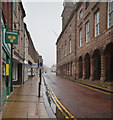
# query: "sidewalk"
25, 103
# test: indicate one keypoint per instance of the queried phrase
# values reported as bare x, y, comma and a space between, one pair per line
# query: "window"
110, 14
19, 18
66, 33
80, 37
15, 72
87, 5
70, 46
65, 49
87, 31
70, 27
97, 23
62, 51
81, 13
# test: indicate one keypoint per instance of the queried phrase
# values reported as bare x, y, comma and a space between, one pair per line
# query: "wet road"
80, 101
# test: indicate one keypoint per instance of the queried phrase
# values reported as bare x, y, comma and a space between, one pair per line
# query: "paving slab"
24, 102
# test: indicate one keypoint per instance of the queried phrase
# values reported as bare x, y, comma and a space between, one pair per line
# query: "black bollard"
40, 75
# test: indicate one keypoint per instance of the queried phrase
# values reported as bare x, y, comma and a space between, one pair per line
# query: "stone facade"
18, 52
5, 51
93, 42
25, 56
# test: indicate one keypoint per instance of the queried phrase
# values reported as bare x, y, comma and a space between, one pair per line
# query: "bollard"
40, 75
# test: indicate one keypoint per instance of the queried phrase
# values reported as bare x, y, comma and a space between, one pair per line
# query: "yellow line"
58, 105
94, 89
63, 106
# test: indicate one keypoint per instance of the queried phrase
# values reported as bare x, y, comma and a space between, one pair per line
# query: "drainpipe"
0, 60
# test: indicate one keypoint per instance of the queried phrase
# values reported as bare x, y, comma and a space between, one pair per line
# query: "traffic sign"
41, 64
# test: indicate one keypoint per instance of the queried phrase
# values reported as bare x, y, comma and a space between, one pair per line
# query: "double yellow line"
64, 111
94, 89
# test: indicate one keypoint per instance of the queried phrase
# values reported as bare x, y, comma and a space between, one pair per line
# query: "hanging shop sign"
11, 37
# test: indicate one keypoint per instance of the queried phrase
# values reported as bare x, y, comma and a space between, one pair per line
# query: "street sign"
41, 64
11, 37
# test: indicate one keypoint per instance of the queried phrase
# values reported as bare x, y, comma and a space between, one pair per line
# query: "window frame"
65, 49
87, 31
97, 23
87, 4
70, 46
80, 37
110, 11
80, 13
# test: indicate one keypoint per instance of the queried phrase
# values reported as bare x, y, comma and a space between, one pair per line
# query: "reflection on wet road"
81, 101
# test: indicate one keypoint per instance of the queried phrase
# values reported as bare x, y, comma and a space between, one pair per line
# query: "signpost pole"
40, 75
11, 67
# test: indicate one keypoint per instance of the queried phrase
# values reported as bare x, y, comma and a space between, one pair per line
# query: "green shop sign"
11, 37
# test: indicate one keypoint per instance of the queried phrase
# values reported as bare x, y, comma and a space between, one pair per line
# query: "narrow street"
56, 59
80, 101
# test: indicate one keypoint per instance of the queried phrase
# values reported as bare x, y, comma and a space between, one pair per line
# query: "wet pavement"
25, 103
80, 101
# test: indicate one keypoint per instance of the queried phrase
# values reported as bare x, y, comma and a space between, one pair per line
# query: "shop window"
14, 72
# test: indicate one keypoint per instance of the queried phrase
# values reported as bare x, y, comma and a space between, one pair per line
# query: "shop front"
6, 69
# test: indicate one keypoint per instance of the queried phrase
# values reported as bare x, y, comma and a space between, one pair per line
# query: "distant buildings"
25, 57
85, 45
53, 68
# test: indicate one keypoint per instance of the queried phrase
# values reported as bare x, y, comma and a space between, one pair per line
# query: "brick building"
66, 44
93, 24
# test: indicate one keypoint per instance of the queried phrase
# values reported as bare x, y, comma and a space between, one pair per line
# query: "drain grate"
21, 101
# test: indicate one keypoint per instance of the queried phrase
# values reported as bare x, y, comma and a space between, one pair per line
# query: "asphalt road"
80, 101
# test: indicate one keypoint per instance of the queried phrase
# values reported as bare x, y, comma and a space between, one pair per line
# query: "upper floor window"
62, 51
65, 49
70, 27
97, 23
80, 37
110, 14
70, 46
87, 31
81, 14
87, 5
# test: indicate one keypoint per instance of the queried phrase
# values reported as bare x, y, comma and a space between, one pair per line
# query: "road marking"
94, 89
60, 105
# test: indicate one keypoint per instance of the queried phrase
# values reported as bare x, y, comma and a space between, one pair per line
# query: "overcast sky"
43, 21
